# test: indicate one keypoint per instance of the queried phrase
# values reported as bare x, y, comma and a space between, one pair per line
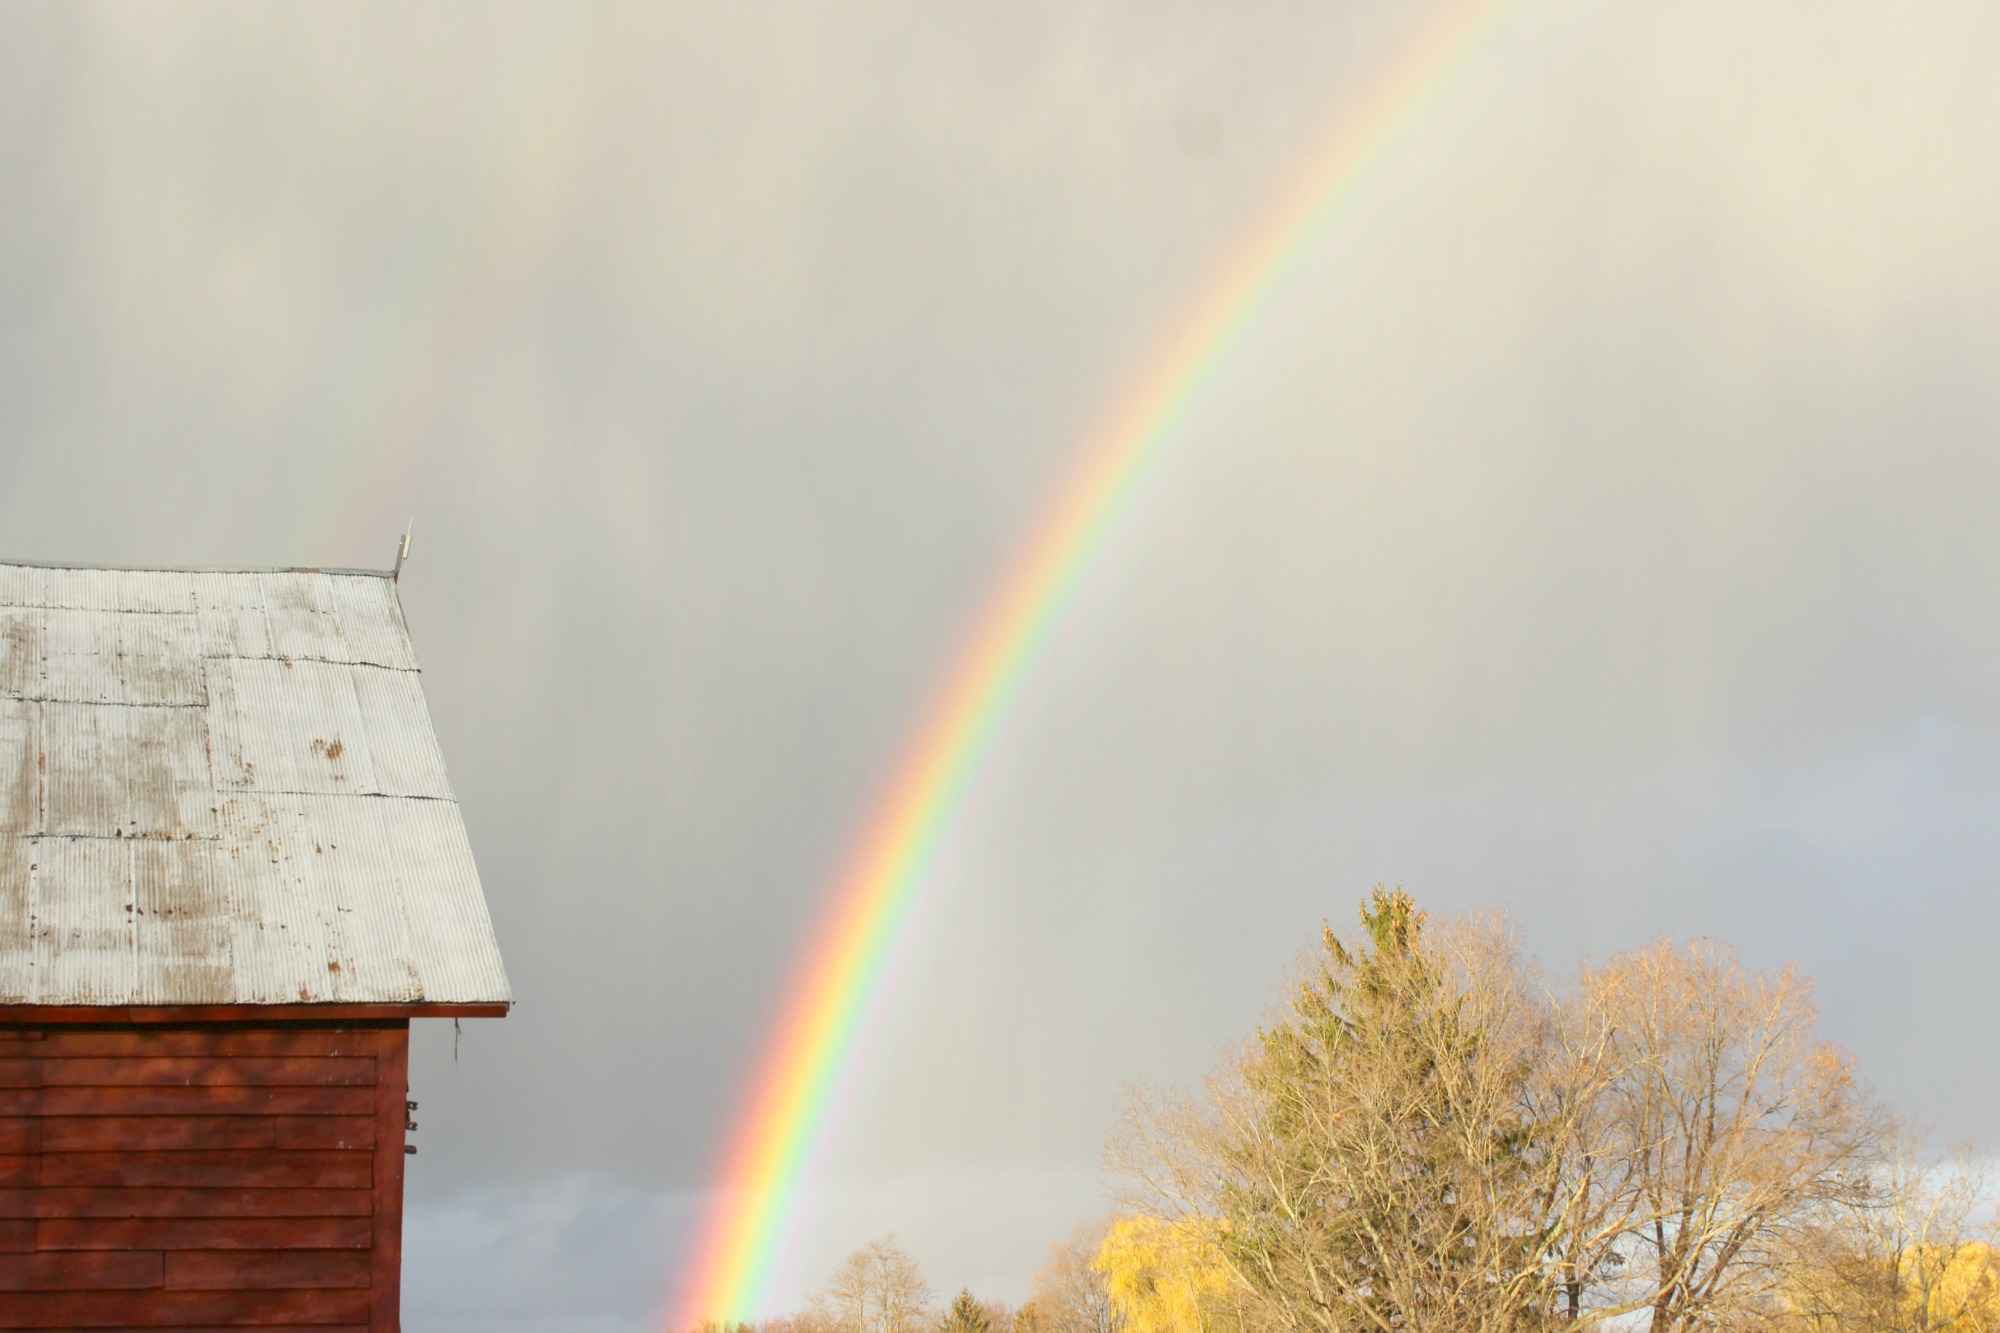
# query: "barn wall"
217, 1175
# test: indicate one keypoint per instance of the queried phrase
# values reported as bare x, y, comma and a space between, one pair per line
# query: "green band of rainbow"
785, 1114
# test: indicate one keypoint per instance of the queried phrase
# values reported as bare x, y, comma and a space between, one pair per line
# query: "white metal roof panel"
16, 963
371, 623
21, 585
136, 772
21, 657
180, 925
223, 787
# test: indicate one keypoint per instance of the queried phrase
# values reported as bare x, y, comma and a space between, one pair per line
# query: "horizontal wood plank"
289, 1327
167, 1309
93, 1201
206, 1071
252, 1270
19, 1135
79, 1271
329, 1131
110, 1133
18, 1170
19, 1072
220, 1233
222, 1100
221, 1170
197, 1043
16, 1237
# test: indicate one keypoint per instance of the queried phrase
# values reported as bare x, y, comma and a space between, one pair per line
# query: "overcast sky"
1601, 529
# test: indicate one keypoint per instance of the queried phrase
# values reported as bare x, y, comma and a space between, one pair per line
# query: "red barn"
231, 871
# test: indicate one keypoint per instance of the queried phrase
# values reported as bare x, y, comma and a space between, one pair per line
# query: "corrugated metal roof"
222, 787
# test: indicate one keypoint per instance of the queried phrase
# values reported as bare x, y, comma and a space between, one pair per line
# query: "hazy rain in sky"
1598, 527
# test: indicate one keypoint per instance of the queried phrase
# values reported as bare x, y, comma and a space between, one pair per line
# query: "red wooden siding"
202, 1177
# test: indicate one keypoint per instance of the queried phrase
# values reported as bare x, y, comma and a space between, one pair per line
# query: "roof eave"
122, 1015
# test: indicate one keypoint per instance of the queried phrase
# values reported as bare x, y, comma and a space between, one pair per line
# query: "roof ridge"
201, 569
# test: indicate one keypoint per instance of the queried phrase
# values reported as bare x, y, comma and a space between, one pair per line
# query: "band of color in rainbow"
796, 1083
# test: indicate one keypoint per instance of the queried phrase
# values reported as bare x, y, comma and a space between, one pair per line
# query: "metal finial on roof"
402, 552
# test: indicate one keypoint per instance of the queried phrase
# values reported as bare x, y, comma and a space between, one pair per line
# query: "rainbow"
785, 1114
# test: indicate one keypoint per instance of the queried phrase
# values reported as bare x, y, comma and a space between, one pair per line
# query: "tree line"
1428, 1135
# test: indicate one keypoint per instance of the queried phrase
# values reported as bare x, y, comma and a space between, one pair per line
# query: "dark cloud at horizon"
1599, 530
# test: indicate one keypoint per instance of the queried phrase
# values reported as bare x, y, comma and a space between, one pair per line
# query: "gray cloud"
1599, 529
577, 1254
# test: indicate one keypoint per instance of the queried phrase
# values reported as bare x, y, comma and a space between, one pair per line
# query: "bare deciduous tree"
1069, 1295
1915, 1255
877, 1289
810, 1320
1731, 1123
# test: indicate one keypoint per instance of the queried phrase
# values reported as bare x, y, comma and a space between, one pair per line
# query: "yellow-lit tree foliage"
1165, 1276
1911, 1252
1953, 1291
1928, 1288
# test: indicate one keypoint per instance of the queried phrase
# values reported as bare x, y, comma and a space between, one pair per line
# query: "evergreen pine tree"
965, 1316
